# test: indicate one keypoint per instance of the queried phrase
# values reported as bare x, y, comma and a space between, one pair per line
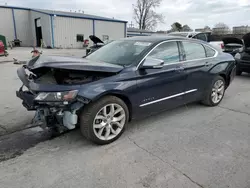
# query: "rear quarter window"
209, 51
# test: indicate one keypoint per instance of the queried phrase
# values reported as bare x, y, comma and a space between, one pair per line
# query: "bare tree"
145, 14
221, 25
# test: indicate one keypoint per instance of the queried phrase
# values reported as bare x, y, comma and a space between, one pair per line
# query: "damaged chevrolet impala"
126, 79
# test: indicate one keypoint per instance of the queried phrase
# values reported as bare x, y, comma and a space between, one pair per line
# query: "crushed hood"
232, 40
95, 39
71, 63
246, 39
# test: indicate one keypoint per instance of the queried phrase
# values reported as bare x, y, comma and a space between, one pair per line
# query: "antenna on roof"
5, 4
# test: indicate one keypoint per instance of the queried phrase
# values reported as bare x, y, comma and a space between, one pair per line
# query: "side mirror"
152, 63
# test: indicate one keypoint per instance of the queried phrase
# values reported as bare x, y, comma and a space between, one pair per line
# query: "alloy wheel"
109, 121
218, 91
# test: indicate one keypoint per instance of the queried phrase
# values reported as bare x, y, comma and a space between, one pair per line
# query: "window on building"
193, 50
105, 37
209, 51
168, 52
79, 38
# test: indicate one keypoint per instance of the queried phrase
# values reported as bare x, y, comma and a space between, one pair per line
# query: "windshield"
119, 52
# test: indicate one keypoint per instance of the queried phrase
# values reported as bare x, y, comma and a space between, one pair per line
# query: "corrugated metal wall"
6, 24
23, 27
66, 29
114, 30
46, 27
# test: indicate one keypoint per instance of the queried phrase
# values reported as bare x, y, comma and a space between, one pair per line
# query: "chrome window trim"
179, 40
169, 97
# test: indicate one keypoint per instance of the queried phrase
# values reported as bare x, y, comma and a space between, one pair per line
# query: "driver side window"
168, 52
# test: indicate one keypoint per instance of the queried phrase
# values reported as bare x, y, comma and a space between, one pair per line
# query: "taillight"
222, 46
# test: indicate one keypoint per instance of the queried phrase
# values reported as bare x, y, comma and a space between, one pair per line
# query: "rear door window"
193, 50
168, 52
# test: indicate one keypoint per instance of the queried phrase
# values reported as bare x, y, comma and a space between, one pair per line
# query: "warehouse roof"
67, 14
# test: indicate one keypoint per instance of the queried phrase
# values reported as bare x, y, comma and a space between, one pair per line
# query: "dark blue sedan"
126, 79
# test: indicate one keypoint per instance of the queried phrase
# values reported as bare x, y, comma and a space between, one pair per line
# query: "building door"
39, 35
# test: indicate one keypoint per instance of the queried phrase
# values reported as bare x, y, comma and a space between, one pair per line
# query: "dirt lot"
191, 146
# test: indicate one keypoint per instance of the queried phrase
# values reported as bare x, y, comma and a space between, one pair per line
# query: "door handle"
179, 69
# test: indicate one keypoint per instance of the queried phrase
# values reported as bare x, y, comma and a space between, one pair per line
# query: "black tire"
238, 72
88, 115
207, 97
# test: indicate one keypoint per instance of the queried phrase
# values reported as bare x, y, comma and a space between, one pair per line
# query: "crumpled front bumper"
48, 114
28, 99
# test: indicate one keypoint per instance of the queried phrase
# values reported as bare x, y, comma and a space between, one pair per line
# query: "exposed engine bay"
66, 77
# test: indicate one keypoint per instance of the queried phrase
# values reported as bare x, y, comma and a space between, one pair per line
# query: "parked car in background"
123, 80
243, 56
98, 43
205, 36
232, 45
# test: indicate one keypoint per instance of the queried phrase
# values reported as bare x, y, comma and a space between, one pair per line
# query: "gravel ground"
191, 146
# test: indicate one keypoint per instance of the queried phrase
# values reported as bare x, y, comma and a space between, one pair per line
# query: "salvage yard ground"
188, 147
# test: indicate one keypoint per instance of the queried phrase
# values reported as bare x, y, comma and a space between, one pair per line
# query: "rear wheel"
215, 93
104, 121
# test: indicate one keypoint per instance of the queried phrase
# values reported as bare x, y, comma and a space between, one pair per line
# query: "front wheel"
215, 92
104, 121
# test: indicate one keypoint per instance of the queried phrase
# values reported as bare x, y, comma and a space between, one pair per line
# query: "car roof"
155, 38
184, 32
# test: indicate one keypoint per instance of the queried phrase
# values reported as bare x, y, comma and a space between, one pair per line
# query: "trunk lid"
95, 39
245, 55
232, 40
246, 39
231, 44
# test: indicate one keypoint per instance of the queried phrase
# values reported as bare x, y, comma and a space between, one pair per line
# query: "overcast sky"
195, 13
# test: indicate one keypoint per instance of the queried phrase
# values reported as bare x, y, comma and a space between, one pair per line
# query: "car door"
160, 89
197, 62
